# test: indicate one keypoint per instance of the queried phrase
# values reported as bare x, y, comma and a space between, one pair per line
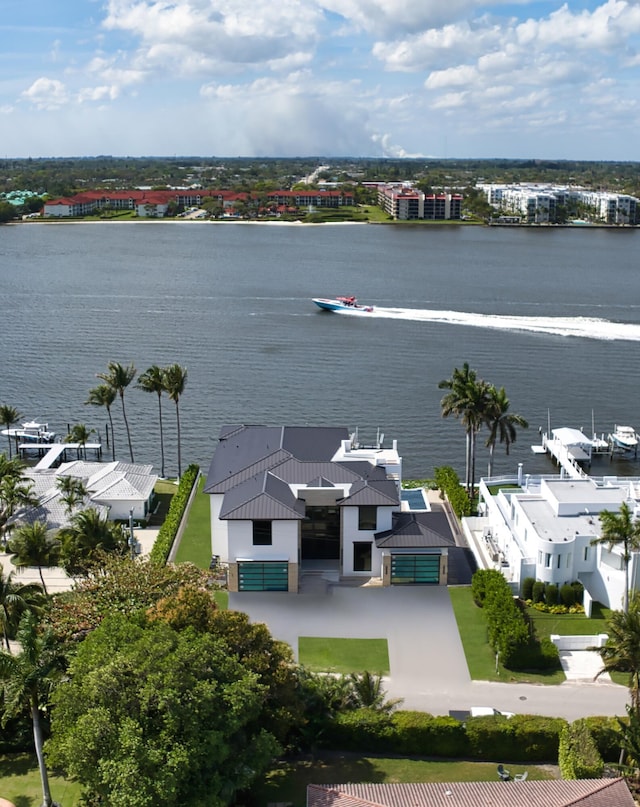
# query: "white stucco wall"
284, 544
219, 532
351, 534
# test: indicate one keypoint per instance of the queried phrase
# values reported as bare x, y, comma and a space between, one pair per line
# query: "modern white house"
544, 527
114, 488
287, 500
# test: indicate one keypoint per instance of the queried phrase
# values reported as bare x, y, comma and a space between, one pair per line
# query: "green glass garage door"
415, 569
263, 576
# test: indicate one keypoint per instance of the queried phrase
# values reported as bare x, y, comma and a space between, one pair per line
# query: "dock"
571, 449
53, 453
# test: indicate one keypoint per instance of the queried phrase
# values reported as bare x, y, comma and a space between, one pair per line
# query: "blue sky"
393, 78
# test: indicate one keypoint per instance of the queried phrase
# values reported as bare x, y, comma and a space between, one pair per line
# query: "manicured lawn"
222, 599
287, 782
344, 655
20, 783
567, 624
195, 545
480, 657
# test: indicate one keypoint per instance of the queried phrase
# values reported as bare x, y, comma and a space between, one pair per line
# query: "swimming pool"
414, 497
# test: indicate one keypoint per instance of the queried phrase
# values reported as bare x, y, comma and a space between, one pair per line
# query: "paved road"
428, 668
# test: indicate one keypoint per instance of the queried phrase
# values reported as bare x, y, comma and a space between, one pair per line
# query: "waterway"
551, 315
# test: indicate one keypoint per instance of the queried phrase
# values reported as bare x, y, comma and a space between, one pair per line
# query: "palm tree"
88, 534
27, 679
73, 491
15, 599
9, 416
16, 492
175, 380
467, 399
620, 529
34, 545
368, 692
118, 378
153, 380
79, 433
502, 423
104, 395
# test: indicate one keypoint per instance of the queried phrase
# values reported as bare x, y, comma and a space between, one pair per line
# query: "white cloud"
46, 93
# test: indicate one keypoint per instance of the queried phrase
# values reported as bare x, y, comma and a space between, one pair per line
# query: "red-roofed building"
555, 793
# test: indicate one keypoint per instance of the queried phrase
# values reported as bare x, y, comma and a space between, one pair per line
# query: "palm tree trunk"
113, 437
473, 463
37, 738
467, 476
126, 425
161, 435
625, 601
490, 468
179, 446
42, 581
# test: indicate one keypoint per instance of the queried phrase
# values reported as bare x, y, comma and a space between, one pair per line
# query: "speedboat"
349, 304
31, 432
625, 438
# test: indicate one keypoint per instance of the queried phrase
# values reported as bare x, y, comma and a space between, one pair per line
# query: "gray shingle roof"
413, 530
576, 793
383, 492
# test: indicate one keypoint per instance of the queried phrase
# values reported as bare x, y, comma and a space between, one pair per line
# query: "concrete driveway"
428, 667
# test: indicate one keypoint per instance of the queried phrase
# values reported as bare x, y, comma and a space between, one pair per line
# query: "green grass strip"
322, 654
481, 659
195, 544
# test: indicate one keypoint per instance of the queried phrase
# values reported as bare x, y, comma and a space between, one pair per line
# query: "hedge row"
508, 628
548, 593
169, 529
448, 481
607, 735
578, 755
522, 738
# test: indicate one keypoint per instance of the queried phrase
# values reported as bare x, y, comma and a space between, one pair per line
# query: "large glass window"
362, 556
262, 535
367, 517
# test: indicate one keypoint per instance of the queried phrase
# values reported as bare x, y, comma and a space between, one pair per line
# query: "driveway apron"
425, 652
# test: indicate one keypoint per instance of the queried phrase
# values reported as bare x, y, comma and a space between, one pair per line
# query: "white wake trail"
584, 327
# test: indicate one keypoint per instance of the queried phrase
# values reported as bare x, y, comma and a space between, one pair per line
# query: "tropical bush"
578, 755
606, 735
169, 530
527, 588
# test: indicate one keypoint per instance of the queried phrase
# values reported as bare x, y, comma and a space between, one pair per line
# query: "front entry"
321, 533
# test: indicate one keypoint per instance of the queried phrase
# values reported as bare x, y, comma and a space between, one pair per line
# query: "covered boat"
625, 438
349, 304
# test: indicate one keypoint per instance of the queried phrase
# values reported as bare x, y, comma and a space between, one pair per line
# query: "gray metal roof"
377, 492
243, 447
415, 530
264, 497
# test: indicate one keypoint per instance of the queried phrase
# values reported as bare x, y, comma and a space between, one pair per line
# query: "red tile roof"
579, 793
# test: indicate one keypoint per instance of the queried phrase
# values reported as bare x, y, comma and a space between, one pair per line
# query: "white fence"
579, 642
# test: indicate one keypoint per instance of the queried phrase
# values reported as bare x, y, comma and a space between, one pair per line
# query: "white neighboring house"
544, 529
291, 499
113, 488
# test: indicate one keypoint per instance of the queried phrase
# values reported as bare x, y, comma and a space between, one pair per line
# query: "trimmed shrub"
421, 734
360, 730
551, 594
568, 595
527, 588
537, 592
578, 589
578, 755
448, 481
536, 655
606, 735
168, 531
522, 738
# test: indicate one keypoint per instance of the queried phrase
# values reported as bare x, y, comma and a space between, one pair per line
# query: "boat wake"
584, 327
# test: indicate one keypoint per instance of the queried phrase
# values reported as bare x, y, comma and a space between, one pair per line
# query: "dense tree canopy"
151, 715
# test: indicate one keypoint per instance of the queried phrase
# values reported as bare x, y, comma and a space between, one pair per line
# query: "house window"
262, 533
559, 561
362, 556
586, 553
547, 560
367, 517
568, 560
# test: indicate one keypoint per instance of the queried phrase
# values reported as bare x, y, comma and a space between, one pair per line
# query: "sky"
287, 78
